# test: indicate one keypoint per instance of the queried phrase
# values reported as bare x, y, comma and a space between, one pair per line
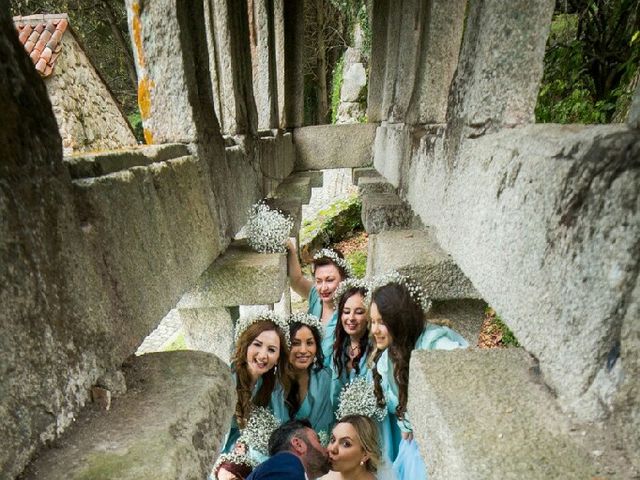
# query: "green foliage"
336, 86
591, 61
508, 338
135, 120
358, 261
333, 223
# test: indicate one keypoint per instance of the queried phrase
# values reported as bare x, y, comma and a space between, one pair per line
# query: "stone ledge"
364, 172
465, 316
291, 206
333, 146
367, 185
103, 163
208, 330
484, 414
422, 258
295, 186
384, 211
168, 425
240, 276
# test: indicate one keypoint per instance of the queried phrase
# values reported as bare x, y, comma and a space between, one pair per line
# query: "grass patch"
358, 262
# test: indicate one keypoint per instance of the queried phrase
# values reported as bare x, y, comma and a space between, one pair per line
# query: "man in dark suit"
296, 454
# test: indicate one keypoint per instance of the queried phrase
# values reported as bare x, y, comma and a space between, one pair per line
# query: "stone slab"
240, 276
208, 330
421, 258
170, 424
384, 211
464, 316
360, 172
373, 185
103, 163
333, 146
295, 186
485, 414
291, 206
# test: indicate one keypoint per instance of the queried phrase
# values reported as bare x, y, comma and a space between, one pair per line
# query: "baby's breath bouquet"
358, 398
268, 229
323, 436
259, 428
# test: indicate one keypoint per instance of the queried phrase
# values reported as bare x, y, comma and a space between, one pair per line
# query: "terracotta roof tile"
41, 36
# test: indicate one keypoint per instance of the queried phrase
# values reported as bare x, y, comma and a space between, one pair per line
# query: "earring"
361, 462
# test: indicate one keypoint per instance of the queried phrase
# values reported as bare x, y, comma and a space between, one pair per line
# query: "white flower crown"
307, 319
333, 256
415, 290
358, 398
260, 426
268, 229
235, 458
269, 315
347, 284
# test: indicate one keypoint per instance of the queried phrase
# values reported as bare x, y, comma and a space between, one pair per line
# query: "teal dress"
316, 406
338, 382
407, 462
234, 431
315, 308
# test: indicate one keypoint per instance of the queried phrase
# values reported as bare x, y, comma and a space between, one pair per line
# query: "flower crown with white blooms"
416, 292
269, 315
347, 284
333, 256
308, 320
234, 458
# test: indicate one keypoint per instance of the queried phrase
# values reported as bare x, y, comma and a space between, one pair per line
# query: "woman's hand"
408, 436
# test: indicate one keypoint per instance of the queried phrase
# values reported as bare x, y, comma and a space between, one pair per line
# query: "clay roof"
41, 36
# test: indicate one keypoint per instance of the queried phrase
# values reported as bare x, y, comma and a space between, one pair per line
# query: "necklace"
353, 351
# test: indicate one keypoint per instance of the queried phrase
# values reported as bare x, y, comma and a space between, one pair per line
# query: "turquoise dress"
407, 462
315, 308
339, 381
316, 406
234, 431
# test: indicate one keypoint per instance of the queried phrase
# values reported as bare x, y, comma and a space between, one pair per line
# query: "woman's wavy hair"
322, 261
279, 373
340, 357
405, 321
293, 402
369, 437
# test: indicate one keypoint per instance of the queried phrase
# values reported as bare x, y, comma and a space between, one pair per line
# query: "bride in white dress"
354, 451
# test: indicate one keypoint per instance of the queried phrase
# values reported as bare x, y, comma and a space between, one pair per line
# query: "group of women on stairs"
298, 367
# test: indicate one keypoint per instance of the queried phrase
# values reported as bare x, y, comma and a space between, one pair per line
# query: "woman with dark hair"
398, 308
351, 344
329, 269
259, 364
309, 396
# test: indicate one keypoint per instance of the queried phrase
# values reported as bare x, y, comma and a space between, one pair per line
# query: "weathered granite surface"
170, 424
208, 330
333, 146
485, 414
385, 211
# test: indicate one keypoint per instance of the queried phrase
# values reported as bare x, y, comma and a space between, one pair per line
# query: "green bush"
135, 120
336, 86
358, 262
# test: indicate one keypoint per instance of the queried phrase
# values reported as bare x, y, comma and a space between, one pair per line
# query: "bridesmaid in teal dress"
397, 310
262, 344
329, 269
351, 345
309, 396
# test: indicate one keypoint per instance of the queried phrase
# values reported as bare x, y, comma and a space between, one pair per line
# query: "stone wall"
87, 114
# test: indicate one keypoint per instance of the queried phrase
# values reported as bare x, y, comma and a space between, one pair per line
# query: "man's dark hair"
280, 439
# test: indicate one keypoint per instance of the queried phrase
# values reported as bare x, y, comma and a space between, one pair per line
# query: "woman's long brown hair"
243, 386
405, 322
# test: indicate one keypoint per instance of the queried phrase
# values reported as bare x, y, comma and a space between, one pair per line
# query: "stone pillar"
263, 61
500, 67
634, 111
293, 63
278, 31
414, 56
228, 40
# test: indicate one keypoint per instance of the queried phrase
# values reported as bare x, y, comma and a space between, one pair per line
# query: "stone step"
291, 206
295, 186
373, 185
485, 414
385, 211
417, 253
364, 172
316, 177
240, 276
209, 330
465, 316
168, 425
